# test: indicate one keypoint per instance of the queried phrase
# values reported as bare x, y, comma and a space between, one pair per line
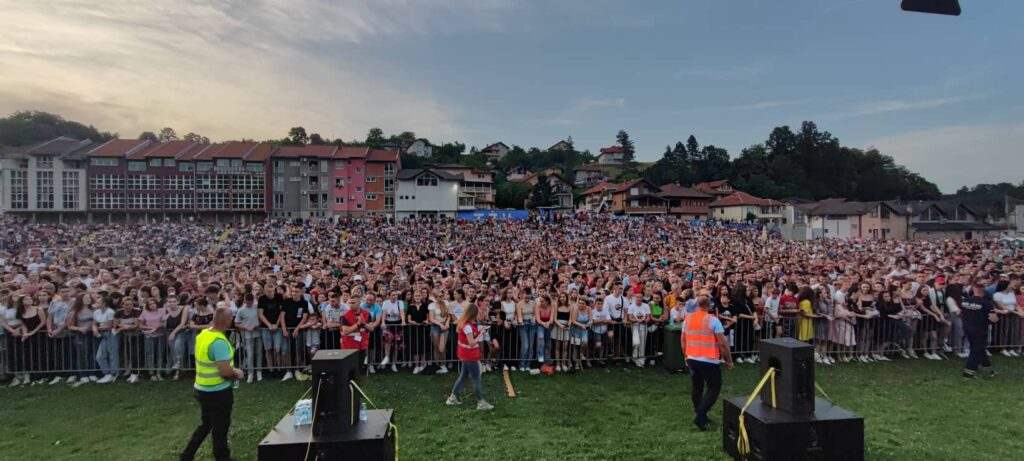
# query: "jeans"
977, 337
253, 351
178, 346
215, 411
107, 355
956, 332
704, 375
85, 356
543, 336
527, 337
639, 341
155, 352
472, 370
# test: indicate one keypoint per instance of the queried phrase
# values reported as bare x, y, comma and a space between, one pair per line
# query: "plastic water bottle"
362, 411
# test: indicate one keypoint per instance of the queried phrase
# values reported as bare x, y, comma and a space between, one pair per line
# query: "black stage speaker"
794, 374
830, 433
335, 404
370, 440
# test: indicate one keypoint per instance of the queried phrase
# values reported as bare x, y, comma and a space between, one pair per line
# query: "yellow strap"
743, 443
816, 386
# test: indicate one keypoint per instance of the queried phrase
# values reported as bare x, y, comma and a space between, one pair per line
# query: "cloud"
900, 105
227, 69
575, 112
959, 155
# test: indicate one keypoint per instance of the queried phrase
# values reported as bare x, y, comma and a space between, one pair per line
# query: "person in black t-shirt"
269, 308
977, 315
293, 311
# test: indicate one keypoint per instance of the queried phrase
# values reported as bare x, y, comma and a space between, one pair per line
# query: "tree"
692, 147
196, 138
375, 137
541, 194
511, 194
167, 134
30, 127
297, 136
316, 140
628, 153
148, 135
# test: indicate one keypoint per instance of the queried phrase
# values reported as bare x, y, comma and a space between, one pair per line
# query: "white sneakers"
452, 400
287, 376
106, 379
442, 370
259, 376
417, 369
133, 378
386, 361
248, 380
534, 371
484, 406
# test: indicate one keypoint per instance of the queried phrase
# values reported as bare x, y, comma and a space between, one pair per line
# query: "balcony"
649, 209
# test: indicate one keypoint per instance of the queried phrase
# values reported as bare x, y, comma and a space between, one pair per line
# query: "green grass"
913, 410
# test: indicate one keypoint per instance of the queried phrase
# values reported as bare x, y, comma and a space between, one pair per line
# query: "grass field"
917, 410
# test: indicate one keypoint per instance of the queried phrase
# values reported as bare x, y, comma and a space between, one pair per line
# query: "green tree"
628, 152
167, 134
541, 195
148, 135
511, 194
297, 136
375, 137
316, 140
196, 138
30, 127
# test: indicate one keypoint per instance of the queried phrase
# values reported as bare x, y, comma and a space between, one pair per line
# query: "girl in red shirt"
468, 351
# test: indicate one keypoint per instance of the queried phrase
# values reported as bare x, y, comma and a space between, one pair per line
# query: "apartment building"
46, 181
313, 182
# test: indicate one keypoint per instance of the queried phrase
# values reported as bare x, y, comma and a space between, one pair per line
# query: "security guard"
213, 386
704, 346
977, 314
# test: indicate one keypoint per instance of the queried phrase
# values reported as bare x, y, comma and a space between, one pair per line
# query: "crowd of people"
97, 303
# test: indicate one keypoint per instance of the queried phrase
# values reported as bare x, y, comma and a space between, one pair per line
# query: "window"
254, 167
389, 170
155, 162
359, 188
371, 179
359, 169
339, 182
44, 162
389, 185
314, 165
371, 196
169, 162
339, 200
359, 206
204, 167
278, 200
69, 183
426, 180
19, 190
44, 190
185, 167
389, 202
339, 164
102, 161
136, 165
314, 181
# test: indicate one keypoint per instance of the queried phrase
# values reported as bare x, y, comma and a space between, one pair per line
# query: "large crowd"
98, 303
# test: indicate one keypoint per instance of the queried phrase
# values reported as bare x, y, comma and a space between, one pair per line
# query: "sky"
941, 94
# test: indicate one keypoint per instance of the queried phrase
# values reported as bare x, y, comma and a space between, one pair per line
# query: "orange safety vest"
700, 340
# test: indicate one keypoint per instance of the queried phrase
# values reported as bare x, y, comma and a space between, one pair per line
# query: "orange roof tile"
118, 147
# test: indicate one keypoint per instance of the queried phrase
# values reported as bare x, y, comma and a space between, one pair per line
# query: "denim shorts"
273, 340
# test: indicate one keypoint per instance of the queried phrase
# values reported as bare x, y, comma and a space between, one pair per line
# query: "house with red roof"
719, 188
612, 155
638, 197
685, 202
740, 206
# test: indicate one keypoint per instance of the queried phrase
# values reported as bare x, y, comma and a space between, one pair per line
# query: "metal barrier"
161, 355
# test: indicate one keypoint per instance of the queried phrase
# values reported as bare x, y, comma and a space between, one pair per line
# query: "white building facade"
427, 193
46, 181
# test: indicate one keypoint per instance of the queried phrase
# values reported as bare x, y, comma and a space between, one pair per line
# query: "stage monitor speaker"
794, 376
335, 403
371, 440
831, 433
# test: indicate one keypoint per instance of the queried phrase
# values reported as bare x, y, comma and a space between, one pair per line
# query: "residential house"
561, 190
740, 206
597, 198
948, 219
478, 183
836, 218
686, 203
495, 151
612, 155
561, 145
590, 174
420, 148
794, 218
517, 174
719, 188
302, 182
46, 181
431, 193
885, 221
638, 197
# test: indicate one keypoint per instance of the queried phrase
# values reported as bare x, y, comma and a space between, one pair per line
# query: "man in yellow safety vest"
213, 386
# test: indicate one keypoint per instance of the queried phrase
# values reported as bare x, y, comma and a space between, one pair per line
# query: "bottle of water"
362, 411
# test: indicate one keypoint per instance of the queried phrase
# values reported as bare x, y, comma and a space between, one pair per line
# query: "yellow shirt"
806, 324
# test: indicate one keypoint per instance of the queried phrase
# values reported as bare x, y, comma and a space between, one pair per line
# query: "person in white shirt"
614, 303
393, 311
102, 328
1005, 298
639, 313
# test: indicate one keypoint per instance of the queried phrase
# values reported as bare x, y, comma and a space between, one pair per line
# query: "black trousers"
707, 383
215, 408
977, 337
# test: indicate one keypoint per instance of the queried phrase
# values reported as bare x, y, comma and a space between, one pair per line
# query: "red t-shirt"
359, 339
466, 353
787, 299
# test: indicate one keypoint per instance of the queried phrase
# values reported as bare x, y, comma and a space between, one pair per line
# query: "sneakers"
15, 382
93, 378
133, 378
1005, 353
72, 380
248, 379
106, 379
968, 374
371, 370
484, 406
452, 400
417, 369
287, 376
534, 371
386, 361
259, 376
56, 380
961, 354
80, 382
443, 370
177, 374
946, 348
